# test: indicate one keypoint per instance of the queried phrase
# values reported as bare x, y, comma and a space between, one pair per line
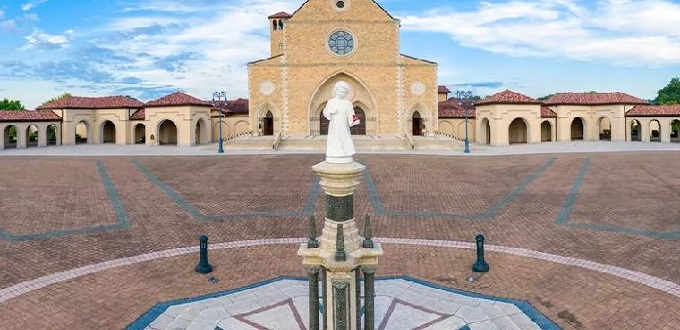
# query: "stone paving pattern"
616, 191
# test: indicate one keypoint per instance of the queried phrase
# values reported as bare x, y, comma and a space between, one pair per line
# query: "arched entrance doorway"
82, 132
546, 131
654, 131
675, 131
577, 129
417, 124
201, 132
140, 134
167, 133
108, 132
518, 131
605, 129
268, 124
10, 135
635, 130
32, 135
51, 135
485, 131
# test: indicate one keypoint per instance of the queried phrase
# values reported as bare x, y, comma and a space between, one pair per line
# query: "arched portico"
83, 132
140, 134
107, 132
201, 134
518, 131
675, 131
546, 131
32, 135
484, 131
654, 131
52, 135
166, 132
577, 129
359, 95
604, 129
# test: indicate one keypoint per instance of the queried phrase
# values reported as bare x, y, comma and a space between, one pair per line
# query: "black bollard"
203, 266
480, 265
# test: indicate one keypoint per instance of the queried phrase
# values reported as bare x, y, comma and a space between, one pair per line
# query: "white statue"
340, 112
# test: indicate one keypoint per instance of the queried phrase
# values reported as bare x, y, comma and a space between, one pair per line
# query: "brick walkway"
617, 209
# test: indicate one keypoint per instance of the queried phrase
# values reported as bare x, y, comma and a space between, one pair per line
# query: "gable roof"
375, 2
177, 99
104, 102
138, 115
281, 14
508, 97
443, 89
654, 110
593, 99
453, 109
238, 106
547, 112
28, 115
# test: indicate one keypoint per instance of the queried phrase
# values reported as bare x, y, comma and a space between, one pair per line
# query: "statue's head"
342, 89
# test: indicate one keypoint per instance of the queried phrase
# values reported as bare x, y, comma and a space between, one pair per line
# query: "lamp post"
217, 97
462, 95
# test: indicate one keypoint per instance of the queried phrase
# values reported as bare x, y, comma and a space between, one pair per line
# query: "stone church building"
325, 41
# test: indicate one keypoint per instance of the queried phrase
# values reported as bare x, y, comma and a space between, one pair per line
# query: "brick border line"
44, 281
308, 209
122, 220
564, 217
491, 212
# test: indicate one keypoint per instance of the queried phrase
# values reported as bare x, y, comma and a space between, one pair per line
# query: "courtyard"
590, 240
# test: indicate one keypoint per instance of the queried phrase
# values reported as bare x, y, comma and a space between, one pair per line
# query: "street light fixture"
217, 97
463, 95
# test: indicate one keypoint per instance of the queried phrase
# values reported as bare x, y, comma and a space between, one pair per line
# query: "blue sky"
149, 48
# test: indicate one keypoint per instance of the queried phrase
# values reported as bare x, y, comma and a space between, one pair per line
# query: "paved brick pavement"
624, 205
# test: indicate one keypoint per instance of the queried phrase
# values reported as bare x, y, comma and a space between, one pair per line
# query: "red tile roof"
442, 89
594, 99
452, 109
106, 102
28, 115
547, 112
508, 97
138, 115
281, 14
238, 106
177, 99
654, 110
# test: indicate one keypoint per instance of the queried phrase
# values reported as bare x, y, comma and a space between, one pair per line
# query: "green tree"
7, 104
670, 94
61, 96
543, 98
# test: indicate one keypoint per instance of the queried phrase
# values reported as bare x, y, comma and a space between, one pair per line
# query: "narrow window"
280, 24
274, 24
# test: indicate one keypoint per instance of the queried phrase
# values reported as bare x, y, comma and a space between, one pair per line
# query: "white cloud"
31, 4
9, 24
626, 32
43, 41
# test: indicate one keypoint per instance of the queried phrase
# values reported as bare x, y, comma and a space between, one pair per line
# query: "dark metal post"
217, 96
368, 234
467, 140
369, 297
203, 266
313, 274
480, 265
312, 242
340, 245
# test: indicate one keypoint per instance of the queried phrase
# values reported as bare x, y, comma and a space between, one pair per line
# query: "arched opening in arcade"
675, 131
605, 129
51, 135
268, 124
32, 136
654, 131
485, 131
140, 134
200, 132
417, 125
577, 129
108, 132
167, 133
635, 130
361, 128
546, 131
518, 131
82, 130
10, 137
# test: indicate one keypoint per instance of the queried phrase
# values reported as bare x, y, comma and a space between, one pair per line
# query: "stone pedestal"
340, 255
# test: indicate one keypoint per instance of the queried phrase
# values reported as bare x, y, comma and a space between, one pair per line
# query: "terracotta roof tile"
177, 99
594, 99
28, 115
442, 89
105, 102
238, 106
281, 14
452, 109
547, 112
654, 110
138, 115
508, 97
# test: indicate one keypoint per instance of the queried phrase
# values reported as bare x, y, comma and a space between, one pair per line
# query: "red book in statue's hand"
355, 120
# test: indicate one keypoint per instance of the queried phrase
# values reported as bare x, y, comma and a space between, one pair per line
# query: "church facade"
326, 41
